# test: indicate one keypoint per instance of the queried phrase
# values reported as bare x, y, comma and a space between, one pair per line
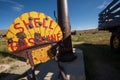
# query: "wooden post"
31, 72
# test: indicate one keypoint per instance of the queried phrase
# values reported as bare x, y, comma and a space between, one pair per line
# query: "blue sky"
83, 13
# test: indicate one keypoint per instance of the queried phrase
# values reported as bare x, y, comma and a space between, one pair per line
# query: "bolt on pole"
66, 52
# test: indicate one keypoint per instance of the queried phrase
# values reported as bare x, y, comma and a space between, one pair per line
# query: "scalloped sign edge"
30, 29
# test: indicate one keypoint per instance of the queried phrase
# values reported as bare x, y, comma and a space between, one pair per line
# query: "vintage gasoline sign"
33, 32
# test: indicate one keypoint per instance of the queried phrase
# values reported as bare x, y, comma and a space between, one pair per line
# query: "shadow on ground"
8, 76
44, 71
100, 62
47, 69
7, 54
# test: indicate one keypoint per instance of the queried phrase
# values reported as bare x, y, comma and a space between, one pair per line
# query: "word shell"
32, 29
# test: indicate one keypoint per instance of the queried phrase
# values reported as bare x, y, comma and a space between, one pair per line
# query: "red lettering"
28, 25
53, 37
41, 39
14, 45
50, 26
36, 22
16, 26
44, 23
31, 40
58, 35
22, 44
48, 37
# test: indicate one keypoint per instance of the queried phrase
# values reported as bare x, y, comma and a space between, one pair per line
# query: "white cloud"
14, 5
103, 5
16, 8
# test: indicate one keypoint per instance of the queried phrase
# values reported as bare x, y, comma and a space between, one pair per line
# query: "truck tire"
115, 42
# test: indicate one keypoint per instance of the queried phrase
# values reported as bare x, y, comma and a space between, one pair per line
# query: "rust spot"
30, 18
37, 38
30, 26
21, 35
10, 41
35, 58
22, 44
40, 23
41, 49
46, 18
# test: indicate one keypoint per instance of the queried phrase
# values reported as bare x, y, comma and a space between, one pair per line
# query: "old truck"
109, 20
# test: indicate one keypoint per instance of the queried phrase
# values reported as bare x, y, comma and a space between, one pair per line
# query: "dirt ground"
16, 69
47, 71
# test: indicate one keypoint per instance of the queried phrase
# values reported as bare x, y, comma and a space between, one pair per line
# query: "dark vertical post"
31, 72
66, 52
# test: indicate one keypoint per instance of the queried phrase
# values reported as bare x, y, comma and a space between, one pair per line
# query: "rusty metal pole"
66, 52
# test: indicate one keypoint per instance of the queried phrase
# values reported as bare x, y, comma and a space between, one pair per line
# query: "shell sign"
35, 32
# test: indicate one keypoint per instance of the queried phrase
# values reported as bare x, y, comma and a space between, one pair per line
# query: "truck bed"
109, 18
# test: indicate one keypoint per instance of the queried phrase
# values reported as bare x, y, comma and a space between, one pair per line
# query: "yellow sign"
33, 29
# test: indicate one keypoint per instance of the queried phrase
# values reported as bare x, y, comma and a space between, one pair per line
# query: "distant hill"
90, 31
87, 31
93, 31
3, 31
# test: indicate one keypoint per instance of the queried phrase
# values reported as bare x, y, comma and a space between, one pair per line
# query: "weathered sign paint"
31, 31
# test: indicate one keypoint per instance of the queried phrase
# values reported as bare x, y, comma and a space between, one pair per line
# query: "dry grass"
100, 62
92, 37
5, 56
